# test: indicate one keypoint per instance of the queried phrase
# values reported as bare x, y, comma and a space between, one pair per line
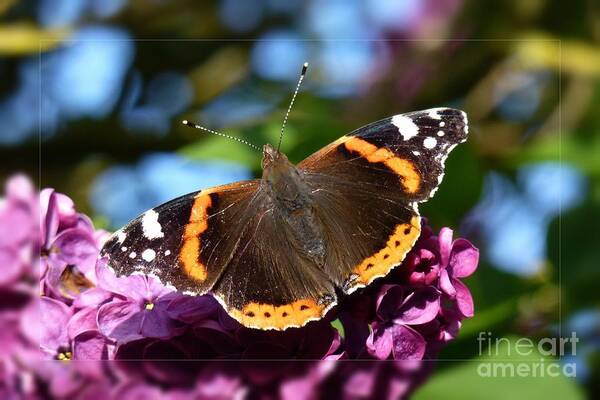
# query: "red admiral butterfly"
274, 250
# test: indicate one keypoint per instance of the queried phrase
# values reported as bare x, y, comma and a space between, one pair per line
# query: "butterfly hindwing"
366, 233
269, 283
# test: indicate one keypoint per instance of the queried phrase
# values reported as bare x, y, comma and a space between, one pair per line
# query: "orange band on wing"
398, 244
268, 316
189, 255
402, 167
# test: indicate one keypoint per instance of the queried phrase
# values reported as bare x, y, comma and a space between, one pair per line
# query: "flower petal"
89, 345
77, 247
92, 297
463, 258
446, 284
423, 267
361, 384
450, 324
50, 218
30, 322
156, 289
408, 344
66, 211
20, 187
121, 321
389, 299
191, 309
54, 317
445, 243
420, 307
335, 344
18, 223
157, 324
11, 266
83, 320
380, 341
464, 300
134, 287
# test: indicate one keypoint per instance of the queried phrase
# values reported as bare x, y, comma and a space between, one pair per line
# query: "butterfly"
274, 250
277, 251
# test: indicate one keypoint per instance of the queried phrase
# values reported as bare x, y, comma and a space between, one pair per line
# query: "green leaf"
337, 324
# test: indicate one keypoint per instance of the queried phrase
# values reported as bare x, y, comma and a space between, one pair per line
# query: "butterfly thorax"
291, 199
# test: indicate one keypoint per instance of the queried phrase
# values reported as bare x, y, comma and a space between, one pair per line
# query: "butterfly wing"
186, 242
268, 283
228, 240
367, 186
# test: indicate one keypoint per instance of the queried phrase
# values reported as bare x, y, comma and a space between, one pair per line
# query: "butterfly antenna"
302, 74
194, 125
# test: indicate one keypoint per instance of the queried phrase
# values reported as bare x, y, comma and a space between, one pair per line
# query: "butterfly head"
276, 166
272, 156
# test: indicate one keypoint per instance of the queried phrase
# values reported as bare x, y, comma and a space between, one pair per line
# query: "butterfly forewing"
185, 243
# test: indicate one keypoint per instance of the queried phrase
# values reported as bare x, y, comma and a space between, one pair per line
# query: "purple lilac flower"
53, 319
86, 313
398, 309
68, 238
18, 233
138, 309
458, 259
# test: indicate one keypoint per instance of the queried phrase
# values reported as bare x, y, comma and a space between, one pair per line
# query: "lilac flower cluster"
86, 314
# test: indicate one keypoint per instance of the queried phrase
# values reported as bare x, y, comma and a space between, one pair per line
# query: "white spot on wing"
406, 126
123, 248
150, 225
121, 236
442, 124
440, 133
429, 143
168, 252
132, 254
148, 255
416, 153
434, 113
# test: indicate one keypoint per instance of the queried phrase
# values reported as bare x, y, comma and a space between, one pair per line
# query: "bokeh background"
92, 95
